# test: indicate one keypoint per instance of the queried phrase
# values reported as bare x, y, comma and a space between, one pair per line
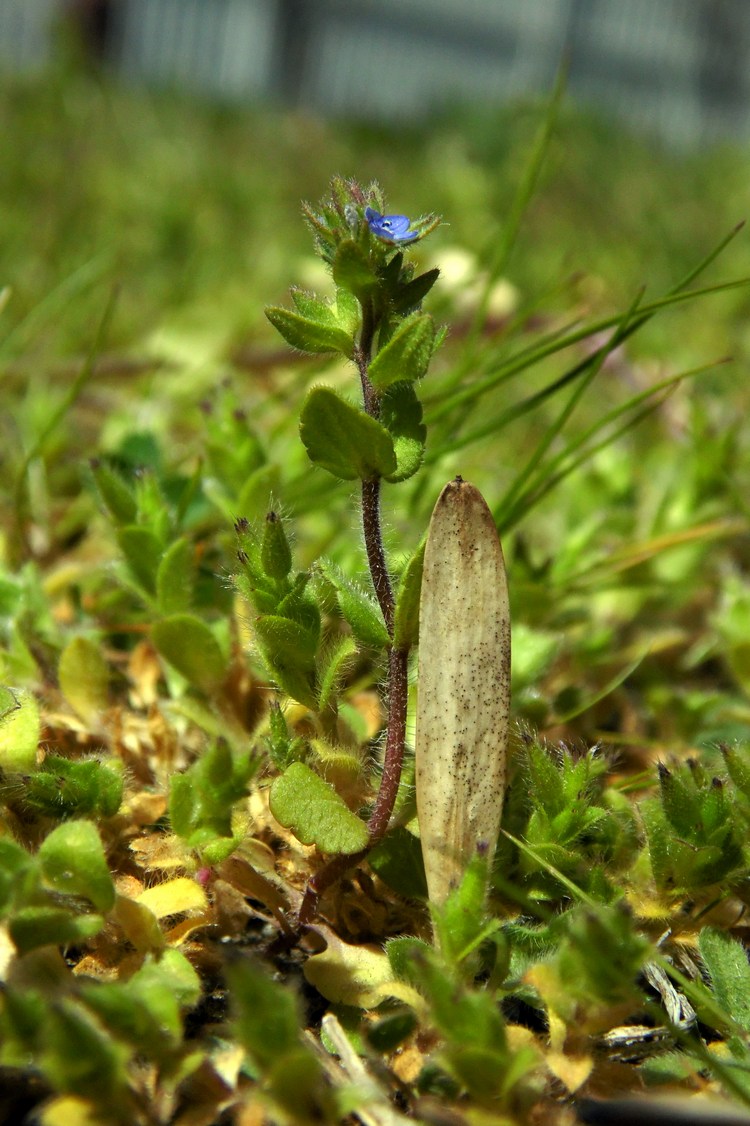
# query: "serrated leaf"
143, 550
407, 354
301, 801
174, 578
73, 862
189, 646
401, 414
352, 269
20, 728
309, 335
84, 678
344, 440
464, 688
358, 608
406, 618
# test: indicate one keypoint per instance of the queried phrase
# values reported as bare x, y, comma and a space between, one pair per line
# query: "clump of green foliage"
212, 900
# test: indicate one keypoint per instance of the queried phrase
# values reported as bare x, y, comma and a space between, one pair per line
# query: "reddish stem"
398, 684
374, 547
398, 692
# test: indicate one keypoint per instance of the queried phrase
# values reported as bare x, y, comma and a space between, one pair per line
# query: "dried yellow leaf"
464, 687
573, 1071
174, 897
346, 974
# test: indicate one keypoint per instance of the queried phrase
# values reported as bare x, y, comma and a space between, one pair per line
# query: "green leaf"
386, 1034
313, 308
143, 550
84, 678
348, 312
409, 296
726, 962
333, 668
73, 862
267, 1025
460, 919
309, 335
344, 440
406, 618
397, 859
283, 640
80, 1057
148, 1018
739, 768
358, 608
174, 578
65, 788
20, 728
296, 682
405, 955
401, 414
407, 354
32, 927
15, 864
680, 799
352, 269
188, 644
184, 804
301, 801
117, 496
276, 557
173, 971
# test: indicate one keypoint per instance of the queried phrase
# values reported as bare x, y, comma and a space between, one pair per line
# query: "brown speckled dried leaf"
464, 687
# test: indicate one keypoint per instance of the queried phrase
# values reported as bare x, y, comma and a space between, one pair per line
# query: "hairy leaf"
301, 801
344, 440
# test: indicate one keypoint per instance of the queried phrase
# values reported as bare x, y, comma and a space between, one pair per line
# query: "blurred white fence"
680, 68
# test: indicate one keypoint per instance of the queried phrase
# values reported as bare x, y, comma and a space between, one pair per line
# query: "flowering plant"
392, 228
376, 321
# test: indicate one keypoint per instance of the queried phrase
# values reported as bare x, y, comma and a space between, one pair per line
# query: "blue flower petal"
392, 228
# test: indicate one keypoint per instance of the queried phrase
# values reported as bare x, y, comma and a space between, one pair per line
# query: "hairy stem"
398, 684
398, 687
398, 690
375, 552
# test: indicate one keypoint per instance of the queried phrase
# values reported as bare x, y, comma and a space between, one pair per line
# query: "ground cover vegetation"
212, 888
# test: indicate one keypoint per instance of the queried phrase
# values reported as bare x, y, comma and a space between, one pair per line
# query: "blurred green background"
181, 214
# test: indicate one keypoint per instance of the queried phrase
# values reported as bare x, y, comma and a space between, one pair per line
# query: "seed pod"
463, 698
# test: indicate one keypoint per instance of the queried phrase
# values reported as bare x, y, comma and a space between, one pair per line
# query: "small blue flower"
392, 228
